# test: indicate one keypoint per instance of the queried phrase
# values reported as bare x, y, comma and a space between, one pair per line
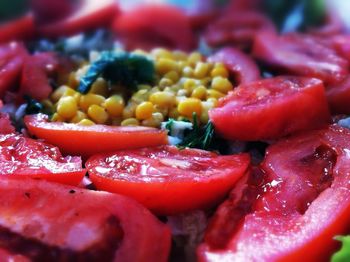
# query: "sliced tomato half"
302, 55
44, 221
338, 97
5, 124
88, 140
302, 200
271, 108
149, 26
19, 29
242, 67
25, 157
90, 14
166, 179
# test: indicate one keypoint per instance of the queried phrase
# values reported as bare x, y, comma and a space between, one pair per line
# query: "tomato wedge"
302, 55
338, 97
24, 157
12, 56
18, 29
55, 222
271, 108
75, 139
242, 67
149, 26
5, 123
89, 15
166, 179
303, 202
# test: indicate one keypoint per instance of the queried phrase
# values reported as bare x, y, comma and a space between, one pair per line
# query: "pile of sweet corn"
185, 84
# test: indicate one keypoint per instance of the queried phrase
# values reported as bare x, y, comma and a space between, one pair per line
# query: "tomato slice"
18, 29
338, 96
53, 222
166, 179
56, 10
237, 28
302, 203
262, 110
149, 26
301, 55
21, 156
89, 15
242, 67
88, 140
12, 56
5, 124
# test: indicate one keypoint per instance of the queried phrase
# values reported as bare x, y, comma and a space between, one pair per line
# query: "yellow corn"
57, 118
144, 87
213, 100
78, 117
90, 99
189, 106
154, 121
189, 85
144, 110
140, 96
165, 82
221, 84
172, 75
173, 113
179, 55
162, 99
99, 87
129, 110
97, 114
86, 122
164, 65
67, 107
58, 93
201, 70
214, 93
194, 58
114, 105
161, 53
130, 122
199, 92
188, 71
219, 71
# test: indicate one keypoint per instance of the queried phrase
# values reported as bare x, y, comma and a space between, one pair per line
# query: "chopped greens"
34, 107
344, 253
292, 15
199, 137
121, 68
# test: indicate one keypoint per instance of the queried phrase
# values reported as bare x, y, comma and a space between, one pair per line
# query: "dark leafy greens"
121, 68
343, 254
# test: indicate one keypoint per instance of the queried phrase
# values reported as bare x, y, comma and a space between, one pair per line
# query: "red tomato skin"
90, 15
24, 157
85, 141
12, 56
149, 26
35, 76
172, 191
20, 29
275, 230
56, 10
338, 97
302, 55
242, 67
251, 113
5, 124
84, 210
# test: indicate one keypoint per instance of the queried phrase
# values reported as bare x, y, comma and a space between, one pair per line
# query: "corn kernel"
114, 105
86, 122
99, 87
173, 76
78, 117
161, 53
116, 121
219, 71
164, 65
194, 58
179, 55
58, 93
190, 106
173, 113
189, 84
130, 122
154, 121
213, 101
206, 81
163, 110
214, 93
164, 82
73, 82
201, 70
188, 71
144, 87
221, 84
206, 106
129, 110
183, 92
90, 99
199, 92
144, 110
67, 107
57, 118
162, 99
69, 92
140, 96
97, 114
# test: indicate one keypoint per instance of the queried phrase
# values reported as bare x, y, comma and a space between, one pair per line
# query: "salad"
200, 131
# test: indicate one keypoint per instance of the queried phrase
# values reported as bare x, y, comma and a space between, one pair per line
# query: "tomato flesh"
301, 55
262, 110
301, 204
5, 124
19, 29
168, 180
241, 66
88, 140
21, 156
56, 222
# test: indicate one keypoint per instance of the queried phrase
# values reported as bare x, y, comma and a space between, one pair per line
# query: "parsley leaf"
343, 254
120, 68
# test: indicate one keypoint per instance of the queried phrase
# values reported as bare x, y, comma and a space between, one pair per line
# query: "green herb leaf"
120, 68
199, 137
35, 107
343, 254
